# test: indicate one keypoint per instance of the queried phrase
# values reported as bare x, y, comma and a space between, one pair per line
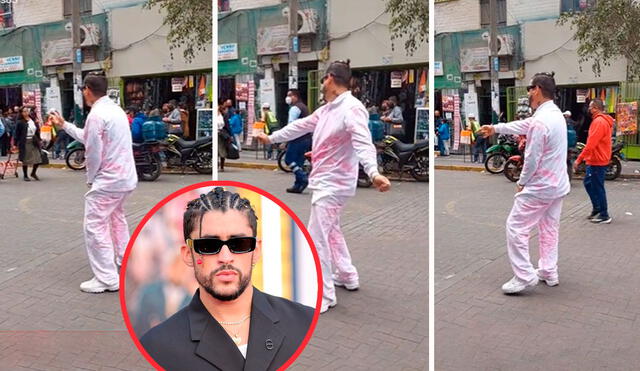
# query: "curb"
479, 169
251, 165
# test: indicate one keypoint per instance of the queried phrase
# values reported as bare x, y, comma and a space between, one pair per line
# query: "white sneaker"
95, 287
351, 286
515, 286
549, 281
326, 304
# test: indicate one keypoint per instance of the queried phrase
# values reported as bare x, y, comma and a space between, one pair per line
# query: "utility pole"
495, 62
77, 62
294, 44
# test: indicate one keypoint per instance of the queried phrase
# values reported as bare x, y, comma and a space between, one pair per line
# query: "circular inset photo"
220, 276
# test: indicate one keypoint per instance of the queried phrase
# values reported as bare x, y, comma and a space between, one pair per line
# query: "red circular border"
211, 183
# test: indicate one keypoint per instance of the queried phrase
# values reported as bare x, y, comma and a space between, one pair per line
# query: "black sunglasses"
324, 78
212, 246
531, 87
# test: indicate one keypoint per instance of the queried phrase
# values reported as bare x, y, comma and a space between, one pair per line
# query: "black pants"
5, 144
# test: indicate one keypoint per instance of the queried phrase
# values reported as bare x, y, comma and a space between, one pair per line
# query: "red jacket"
597, 151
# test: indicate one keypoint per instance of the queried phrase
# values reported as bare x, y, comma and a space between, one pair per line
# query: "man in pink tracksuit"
111, 177
542, 185
341, 139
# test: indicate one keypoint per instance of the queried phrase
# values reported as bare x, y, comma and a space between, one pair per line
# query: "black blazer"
21, 137
192, 339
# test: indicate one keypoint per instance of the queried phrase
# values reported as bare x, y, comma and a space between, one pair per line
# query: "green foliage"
410, 19
190, 24
605, 32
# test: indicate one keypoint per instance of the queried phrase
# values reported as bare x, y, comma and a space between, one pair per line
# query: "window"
575, 5
224, 6
85, 7
6, 15
485, 15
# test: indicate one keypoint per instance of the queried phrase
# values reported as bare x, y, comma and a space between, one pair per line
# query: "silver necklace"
235, 323
235, 335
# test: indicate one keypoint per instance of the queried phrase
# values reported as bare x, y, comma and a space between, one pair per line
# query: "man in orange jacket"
597, 155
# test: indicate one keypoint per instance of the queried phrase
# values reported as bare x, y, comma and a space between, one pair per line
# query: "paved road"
46, 323
589, 322
383, 326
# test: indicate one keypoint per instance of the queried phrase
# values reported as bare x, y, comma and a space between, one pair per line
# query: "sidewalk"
630, 169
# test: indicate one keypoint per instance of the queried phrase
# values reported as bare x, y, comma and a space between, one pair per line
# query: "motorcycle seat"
193, 143
404, 147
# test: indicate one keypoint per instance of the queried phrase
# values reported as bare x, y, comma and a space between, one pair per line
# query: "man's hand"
264, 138
381, 183
519, 188
487, 130
165, 119
57, 120
575, 165
308, 155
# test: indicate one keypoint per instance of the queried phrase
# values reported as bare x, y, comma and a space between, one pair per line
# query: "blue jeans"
480, 146
594, 185
61, 143
295, 159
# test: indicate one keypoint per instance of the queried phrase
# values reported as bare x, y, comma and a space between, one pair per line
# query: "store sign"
53, 99
242, 91
396, 79
267, 92
273, 40
581, 95
474, 59
56, 52
471, 104
438, 70
448, 103
227, 52
176, 84
11, 64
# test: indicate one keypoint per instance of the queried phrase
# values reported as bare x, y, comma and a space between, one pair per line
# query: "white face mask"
288, 100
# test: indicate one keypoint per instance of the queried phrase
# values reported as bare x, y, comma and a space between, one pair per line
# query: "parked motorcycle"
147, 160
195, 153
499, 153
399, 157
615, 165
284, 167
513, 166
75, 156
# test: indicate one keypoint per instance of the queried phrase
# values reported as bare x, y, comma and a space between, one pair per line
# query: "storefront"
192, 89
408, 84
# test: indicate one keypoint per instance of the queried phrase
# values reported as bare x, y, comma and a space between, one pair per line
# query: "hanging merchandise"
627, 118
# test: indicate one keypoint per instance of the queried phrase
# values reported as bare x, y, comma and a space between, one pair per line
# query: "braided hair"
219, 200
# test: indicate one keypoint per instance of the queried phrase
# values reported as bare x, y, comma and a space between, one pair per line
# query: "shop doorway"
282, 87
10, 97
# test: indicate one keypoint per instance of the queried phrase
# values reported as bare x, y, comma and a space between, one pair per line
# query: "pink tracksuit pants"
527, 212
324, 228
106, 233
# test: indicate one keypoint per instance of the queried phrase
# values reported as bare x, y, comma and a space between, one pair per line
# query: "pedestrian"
174, 120
29, 143
443, 138
111, 178
139, 118
271, 125
341, 140
541, 188
296, 148
224, 136
479, 142
5, 135
229, 109
236, 127
394, 118
597, 155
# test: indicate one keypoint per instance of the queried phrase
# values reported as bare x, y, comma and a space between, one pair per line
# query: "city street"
47, 323
590, 321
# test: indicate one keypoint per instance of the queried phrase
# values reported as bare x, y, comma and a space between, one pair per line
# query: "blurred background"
158, 283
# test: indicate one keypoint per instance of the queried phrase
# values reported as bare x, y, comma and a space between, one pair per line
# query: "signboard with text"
273, 40
11, 64
474, 59
227, 52
56, 52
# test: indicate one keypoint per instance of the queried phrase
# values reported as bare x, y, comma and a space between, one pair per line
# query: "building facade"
529, 41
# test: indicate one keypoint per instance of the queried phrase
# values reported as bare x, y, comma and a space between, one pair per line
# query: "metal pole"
494, 65
294, 44
77, 62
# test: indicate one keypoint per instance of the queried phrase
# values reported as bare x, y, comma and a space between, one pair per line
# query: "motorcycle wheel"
75, 159
421, 171
512, 170
203, 163
282, 164
495, 163
614, 169
153, 170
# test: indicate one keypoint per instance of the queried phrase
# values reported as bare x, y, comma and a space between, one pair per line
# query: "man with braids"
229, 324
341, 140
